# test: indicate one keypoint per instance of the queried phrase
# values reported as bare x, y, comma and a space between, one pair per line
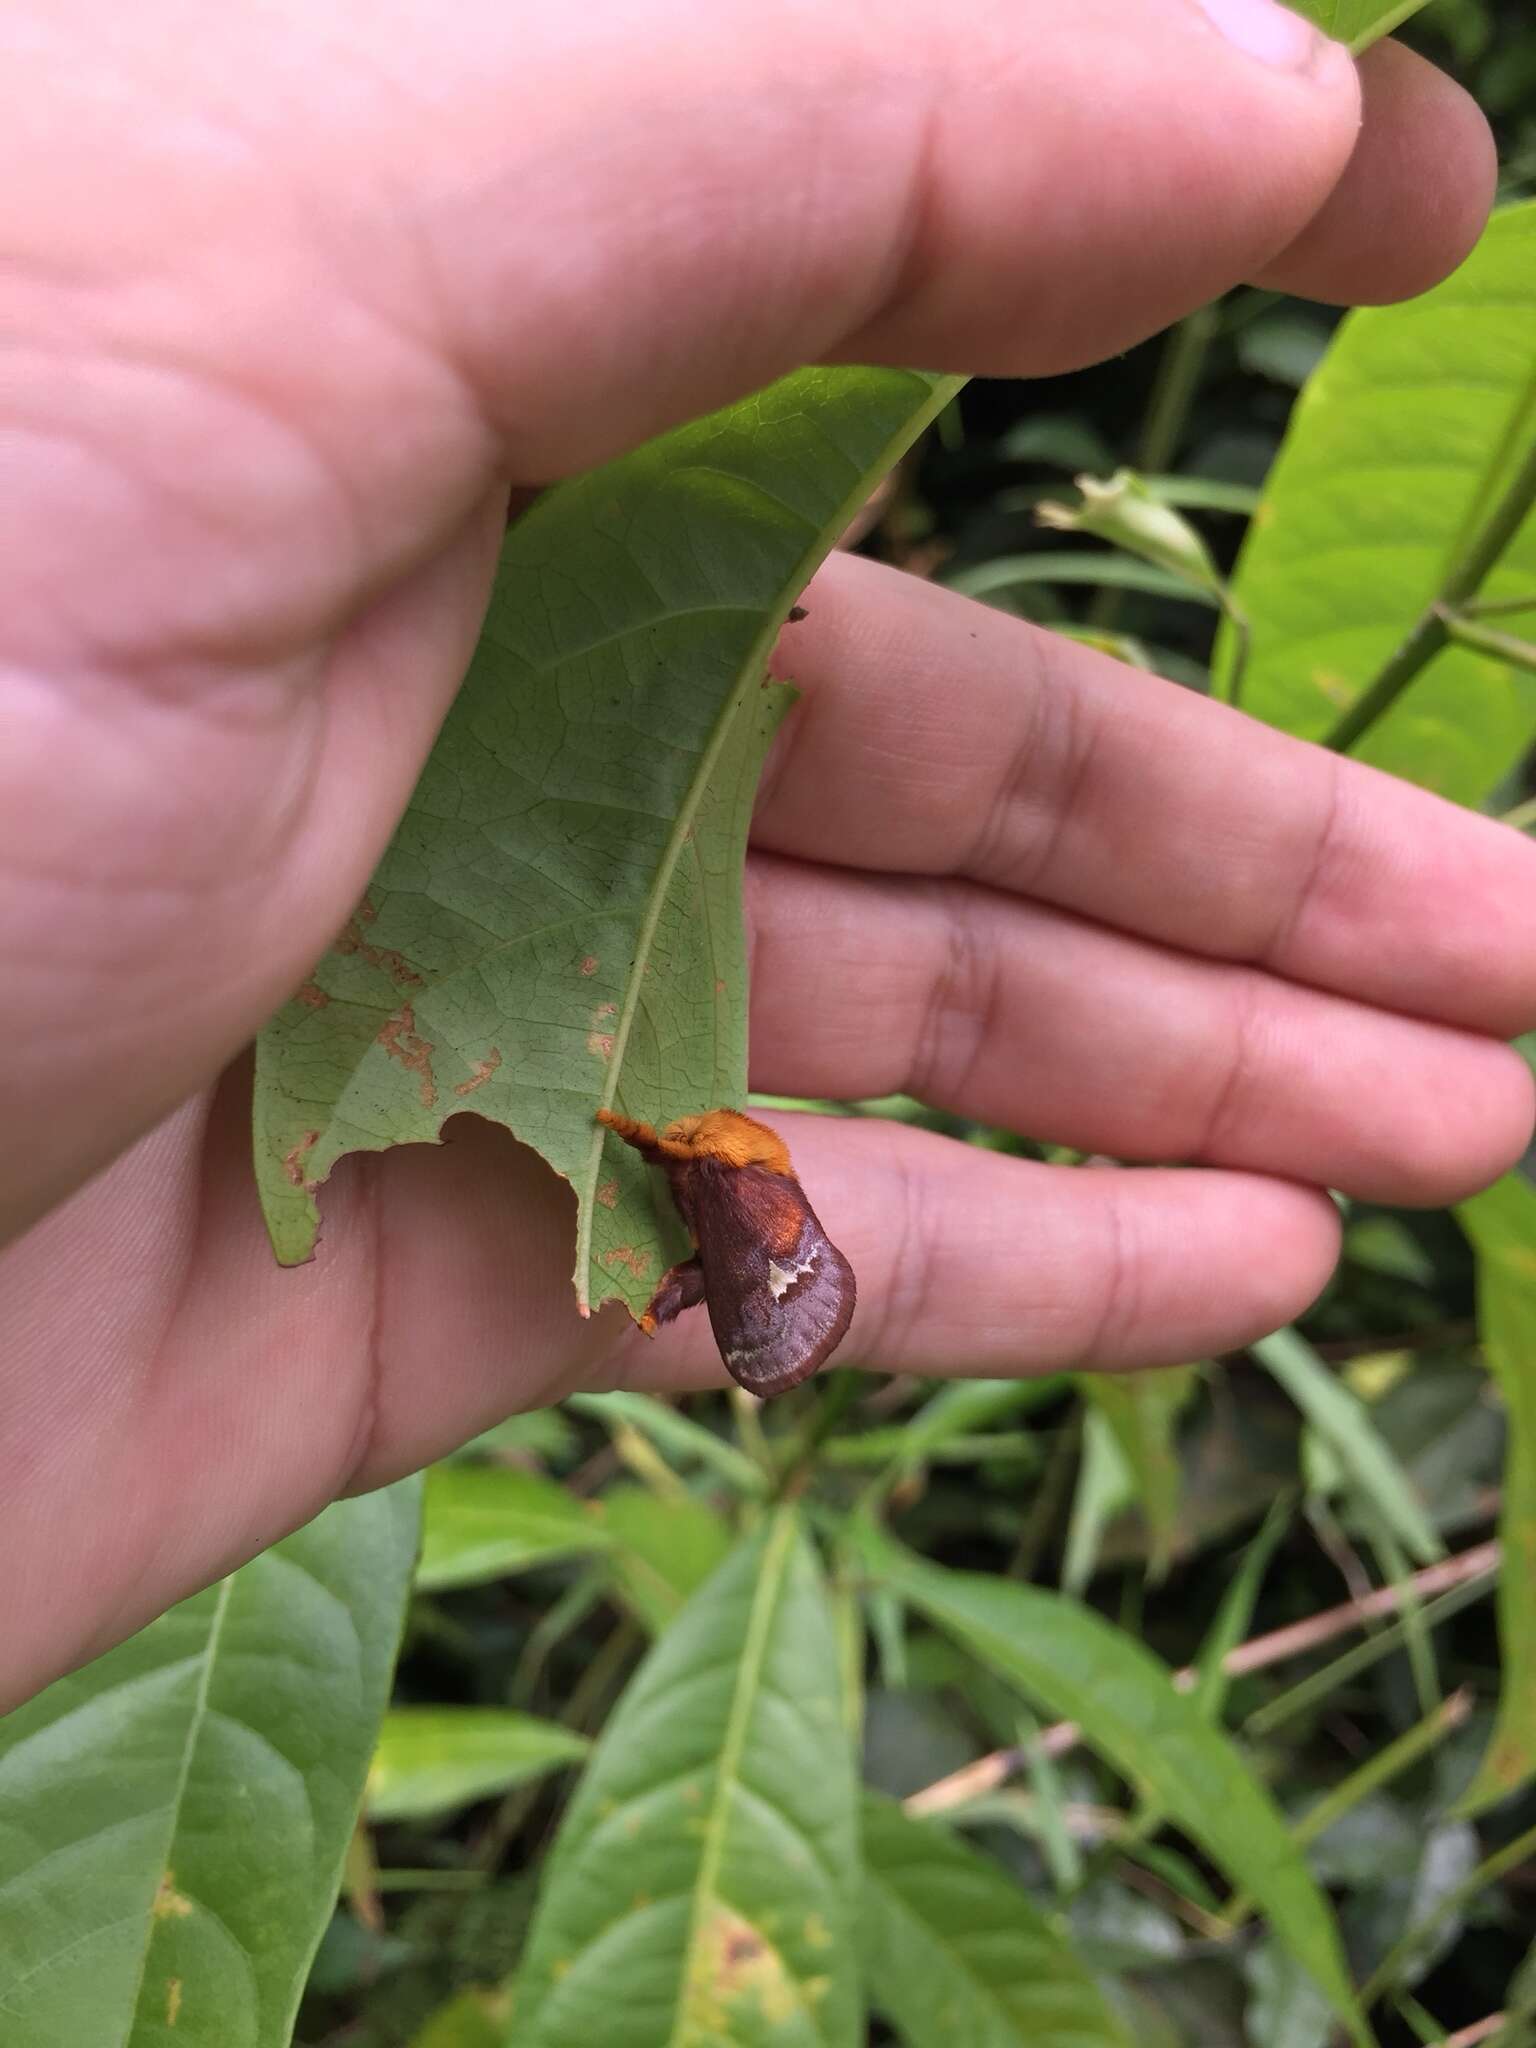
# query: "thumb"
1012, 187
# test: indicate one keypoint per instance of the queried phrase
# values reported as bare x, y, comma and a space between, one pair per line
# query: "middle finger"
1016, 1014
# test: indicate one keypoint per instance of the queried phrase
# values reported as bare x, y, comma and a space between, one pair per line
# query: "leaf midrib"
754, 663
765, 1598
195, 1719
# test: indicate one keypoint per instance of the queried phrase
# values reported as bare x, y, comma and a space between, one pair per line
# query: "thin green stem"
1377, 1771
1488, 640
1488, 1872
1430, 632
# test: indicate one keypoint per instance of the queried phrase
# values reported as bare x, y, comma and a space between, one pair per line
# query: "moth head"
728, 1138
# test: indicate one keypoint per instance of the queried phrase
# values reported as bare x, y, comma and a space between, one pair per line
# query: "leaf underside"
556, 925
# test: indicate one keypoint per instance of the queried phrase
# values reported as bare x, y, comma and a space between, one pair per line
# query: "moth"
779, 1292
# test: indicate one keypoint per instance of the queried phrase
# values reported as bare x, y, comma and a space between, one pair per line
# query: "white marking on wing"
782, 1278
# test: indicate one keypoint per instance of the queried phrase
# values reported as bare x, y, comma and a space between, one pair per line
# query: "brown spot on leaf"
479, 1074
719, 988
172, 2000
366, 912
638, 1262
293, 1162
797, 612
312, 996
400, 1041
590, 964
395, 965
607, 1192
599, 1041
170, 1904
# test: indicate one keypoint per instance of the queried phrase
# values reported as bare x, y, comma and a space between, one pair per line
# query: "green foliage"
482, 1521
954, 1954
704, 1883
1502, 1224
1359, 22
556, 925
430, 1759
173, 1818
1069, 1660
1397, 451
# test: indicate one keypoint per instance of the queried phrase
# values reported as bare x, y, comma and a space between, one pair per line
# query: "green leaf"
683, 1440
173, 1817
1399, 441
1234, 1617
702, 1891
1502, 1226
663, 1550
1104, 570
1359, 23
1078, 1666
556, 925
955, 1953
1344, 1422
474, 2019
431, 1759
1142, 1409
485, 1521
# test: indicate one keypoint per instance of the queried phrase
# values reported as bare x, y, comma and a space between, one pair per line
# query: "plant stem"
1488, 640
1295, 1640
1488, 1872
1430, 633
1377, 1771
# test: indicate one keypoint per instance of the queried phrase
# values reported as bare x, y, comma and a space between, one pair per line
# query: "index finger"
939, 737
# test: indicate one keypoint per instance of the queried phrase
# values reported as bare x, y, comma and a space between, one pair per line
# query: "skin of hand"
310, 288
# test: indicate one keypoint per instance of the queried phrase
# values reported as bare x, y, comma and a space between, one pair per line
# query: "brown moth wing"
780, 1293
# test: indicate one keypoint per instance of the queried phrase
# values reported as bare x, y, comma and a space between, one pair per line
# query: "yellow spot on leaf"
817, 1933
1336, 688
170, 1904
735, 1975
172, 2000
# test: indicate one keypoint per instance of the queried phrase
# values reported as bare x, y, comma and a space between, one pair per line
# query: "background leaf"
1502, 1224
1342, 1419
1358, 22
1142, 1411
663, 1550
955, 1953
556, 924
431, 1759
483, 1521
1393, 445
173, 1818
1079, 1666
708, 1865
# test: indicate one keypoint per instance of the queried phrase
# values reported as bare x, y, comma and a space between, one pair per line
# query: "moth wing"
780, 1293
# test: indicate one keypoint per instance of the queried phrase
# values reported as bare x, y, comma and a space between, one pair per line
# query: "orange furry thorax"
724, 1136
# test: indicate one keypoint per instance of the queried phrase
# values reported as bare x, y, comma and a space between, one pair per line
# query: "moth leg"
682, 1288
645, 1138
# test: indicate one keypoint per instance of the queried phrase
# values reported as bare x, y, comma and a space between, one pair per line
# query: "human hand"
303, 296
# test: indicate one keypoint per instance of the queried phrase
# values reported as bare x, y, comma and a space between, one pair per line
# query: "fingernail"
1264, 30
